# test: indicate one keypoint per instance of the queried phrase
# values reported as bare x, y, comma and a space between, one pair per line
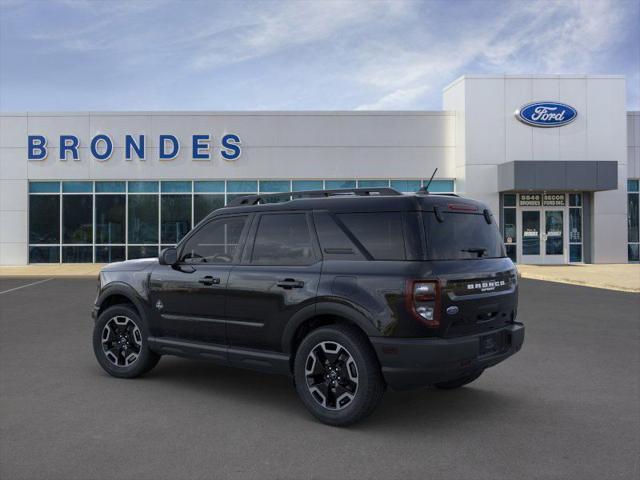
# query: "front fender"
125, 290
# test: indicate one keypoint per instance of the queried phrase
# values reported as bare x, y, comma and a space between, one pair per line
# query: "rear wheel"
120, 343
337, 375
459, 382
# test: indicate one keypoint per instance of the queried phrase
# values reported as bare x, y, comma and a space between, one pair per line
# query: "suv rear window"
380, 233
461, 236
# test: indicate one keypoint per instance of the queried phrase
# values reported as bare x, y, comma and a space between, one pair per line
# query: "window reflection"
110, 218
77, 219
44, 219
143, 219
176, 217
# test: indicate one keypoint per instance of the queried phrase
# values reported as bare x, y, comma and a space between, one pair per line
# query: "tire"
123, 322
458, 382
349, 386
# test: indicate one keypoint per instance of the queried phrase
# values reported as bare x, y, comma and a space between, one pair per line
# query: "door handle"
289, 283
209, 280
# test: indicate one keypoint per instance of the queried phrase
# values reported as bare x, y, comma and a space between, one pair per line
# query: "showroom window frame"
126, 191
93, 216
47, 245
580, 207
633, 190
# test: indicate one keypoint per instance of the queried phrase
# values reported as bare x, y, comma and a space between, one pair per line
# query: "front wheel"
120, 343
337, 375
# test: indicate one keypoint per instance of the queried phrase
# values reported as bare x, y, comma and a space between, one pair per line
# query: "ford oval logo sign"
546, 114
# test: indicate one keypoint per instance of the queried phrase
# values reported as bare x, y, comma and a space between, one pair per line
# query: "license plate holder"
488, 344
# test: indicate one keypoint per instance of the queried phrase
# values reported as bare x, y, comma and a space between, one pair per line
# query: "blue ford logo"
452, 310
546, 114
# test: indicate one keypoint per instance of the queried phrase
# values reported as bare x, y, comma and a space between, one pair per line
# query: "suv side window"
283, 239
216, 242
335, 243
379, 233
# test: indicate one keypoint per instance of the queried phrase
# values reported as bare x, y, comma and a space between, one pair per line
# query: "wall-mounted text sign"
553, 199
530, 200
101, 147
542, 200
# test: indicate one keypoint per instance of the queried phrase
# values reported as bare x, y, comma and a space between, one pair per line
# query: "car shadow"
426, 407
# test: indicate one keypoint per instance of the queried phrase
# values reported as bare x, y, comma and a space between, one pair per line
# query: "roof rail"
360, 192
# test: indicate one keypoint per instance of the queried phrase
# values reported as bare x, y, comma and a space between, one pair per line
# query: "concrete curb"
580, 283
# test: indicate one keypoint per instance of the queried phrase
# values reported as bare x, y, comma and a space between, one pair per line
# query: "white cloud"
289, 24
402, 98
539, 37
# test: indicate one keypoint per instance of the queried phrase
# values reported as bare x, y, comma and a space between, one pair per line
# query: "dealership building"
556, 158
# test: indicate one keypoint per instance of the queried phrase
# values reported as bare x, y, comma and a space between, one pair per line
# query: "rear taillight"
423, 301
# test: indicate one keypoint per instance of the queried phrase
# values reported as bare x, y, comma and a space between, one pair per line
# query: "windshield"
462, 236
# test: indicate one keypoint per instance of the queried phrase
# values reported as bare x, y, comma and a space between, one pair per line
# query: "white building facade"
106, 186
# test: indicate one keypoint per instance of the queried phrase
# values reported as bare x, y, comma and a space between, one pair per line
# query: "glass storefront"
542, 227
108, 221
633, 234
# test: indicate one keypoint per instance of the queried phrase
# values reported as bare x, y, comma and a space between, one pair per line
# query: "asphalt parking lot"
567, 406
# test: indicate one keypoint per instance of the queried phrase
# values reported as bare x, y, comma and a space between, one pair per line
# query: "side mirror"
168, 256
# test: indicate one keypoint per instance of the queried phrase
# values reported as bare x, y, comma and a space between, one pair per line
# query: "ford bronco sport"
349, 292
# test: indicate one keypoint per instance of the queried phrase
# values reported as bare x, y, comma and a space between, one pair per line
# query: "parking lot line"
27, 285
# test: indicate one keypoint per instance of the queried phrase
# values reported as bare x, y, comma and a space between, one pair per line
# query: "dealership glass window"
337, 184
110, 253
110, 218
175, 217
233, 196
77, 254
633, 216
575, 200
143, 219
302, 185
373, 183
275, 186
44, 187
77, 187
143, 187
575, 227
441, 186
39, 254
204, 204
44, 219
77, 220
242, 186
44, 222
209, 187
406, 186
175, 187
111, 187
509, 225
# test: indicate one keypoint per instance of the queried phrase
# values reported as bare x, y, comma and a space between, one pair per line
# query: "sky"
297, 55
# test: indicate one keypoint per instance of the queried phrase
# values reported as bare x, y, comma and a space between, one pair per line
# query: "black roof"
351, 201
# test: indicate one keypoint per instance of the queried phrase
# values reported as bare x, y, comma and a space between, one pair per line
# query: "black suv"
347, 291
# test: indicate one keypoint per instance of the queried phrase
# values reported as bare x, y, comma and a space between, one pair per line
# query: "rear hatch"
478, 283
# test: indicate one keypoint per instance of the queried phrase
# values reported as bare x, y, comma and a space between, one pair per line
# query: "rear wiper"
479, 251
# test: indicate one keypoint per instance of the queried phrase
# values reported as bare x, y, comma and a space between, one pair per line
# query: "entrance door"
542, 236
531, 237
553, 236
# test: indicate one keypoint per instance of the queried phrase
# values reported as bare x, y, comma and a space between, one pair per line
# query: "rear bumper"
416, 362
